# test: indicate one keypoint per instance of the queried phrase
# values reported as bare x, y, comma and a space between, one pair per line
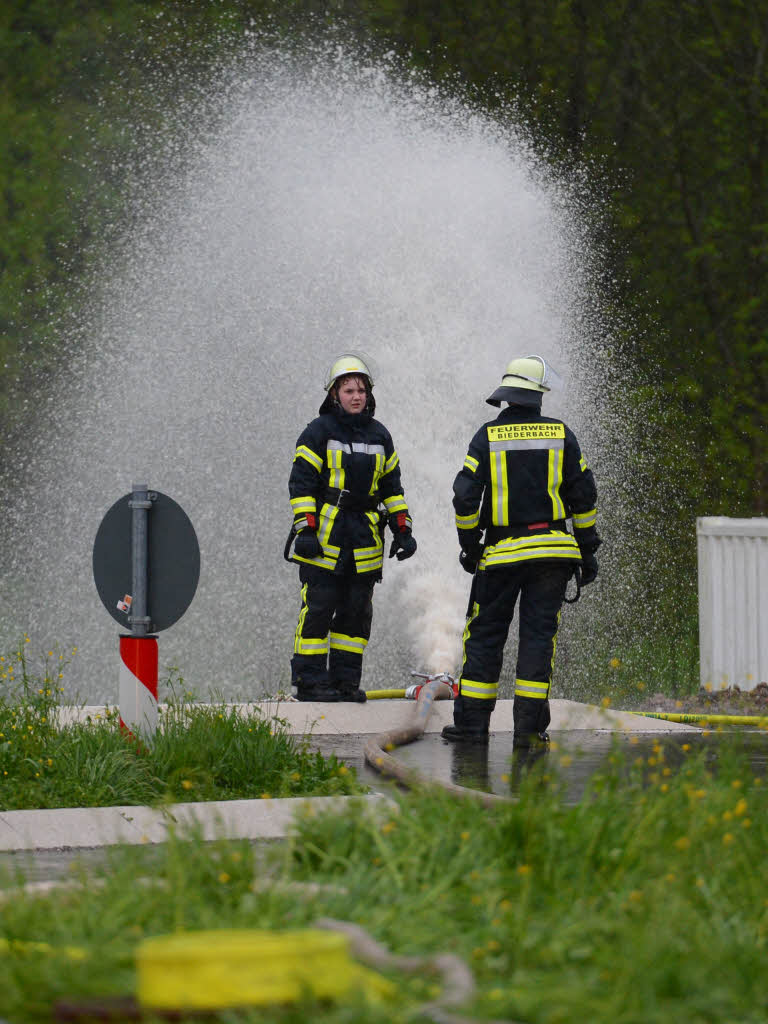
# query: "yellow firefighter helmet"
347, 363
526, 374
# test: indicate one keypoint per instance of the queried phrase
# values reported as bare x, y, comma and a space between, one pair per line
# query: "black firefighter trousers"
540, 586
332, 632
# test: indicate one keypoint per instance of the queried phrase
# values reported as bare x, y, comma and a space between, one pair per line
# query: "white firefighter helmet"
522, 377
349, 362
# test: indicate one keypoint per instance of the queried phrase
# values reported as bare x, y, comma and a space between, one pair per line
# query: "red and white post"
138, 685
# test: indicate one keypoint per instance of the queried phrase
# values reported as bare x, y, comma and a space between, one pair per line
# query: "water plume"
326, 202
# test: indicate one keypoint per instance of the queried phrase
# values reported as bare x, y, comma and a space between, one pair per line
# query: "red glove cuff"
311, 520
402, 522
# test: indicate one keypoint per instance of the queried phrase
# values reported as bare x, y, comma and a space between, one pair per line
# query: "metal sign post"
146, 566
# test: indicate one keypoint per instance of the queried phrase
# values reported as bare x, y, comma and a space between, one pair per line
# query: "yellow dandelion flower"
737, 784
223, 877
606, 702
524, 869
388, 826
266, 796
682, 843
746, 822
464, 836
186, 784
614, 663
740, 808
727, 838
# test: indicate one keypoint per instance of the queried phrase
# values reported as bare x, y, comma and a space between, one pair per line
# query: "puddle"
575, 755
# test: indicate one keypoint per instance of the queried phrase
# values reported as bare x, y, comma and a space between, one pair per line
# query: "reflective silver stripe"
540, 545
395, 503
306, 504
499, 489
303, 646
585, 519
391, 462
353, 644
480, 691
302, 452
522, 445
357, 447
531, 688
468, 522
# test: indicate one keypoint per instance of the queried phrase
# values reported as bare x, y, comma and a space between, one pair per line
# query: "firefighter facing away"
523, 477
344, 487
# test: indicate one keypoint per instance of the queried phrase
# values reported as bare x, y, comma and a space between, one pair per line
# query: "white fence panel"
733, 601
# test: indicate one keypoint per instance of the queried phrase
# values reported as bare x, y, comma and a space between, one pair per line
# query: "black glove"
307, 545
468, 563
403, 544
588, 568
471, 543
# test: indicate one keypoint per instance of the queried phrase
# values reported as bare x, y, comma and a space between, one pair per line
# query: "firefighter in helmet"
344, 488
523, 477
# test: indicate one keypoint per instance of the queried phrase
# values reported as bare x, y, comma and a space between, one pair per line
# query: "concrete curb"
384, 715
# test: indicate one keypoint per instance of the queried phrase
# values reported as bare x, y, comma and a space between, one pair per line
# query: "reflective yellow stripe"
465, 635
583, 520
391, 462
378, 470
583, 464
471, 463
302, 452
395, 503
554, 479
554, 648
370, 565
328, 515
336, 475
478, 691
303, 646
531, 688
555, 544
303, 505
468, 522
353, 644
499, 494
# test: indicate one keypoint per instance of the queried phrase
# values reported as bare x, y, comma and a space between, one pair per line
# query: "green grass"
199, 752
644, 903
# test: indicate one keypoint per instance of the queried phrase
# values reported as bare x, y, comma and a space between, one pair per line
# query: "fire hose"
377, 756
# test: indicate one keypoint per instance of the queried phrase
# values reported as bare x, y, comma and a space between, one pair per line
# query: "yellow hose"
382, 694
761, 721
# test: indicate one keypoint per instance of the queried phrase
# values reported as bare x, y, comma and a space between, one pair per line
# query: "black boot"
471, 721
531, 718
354, 695
323, 694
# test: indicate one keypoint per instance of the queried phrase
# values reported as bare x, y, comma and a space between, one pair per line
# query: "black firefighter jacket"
346, 466
523, 476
